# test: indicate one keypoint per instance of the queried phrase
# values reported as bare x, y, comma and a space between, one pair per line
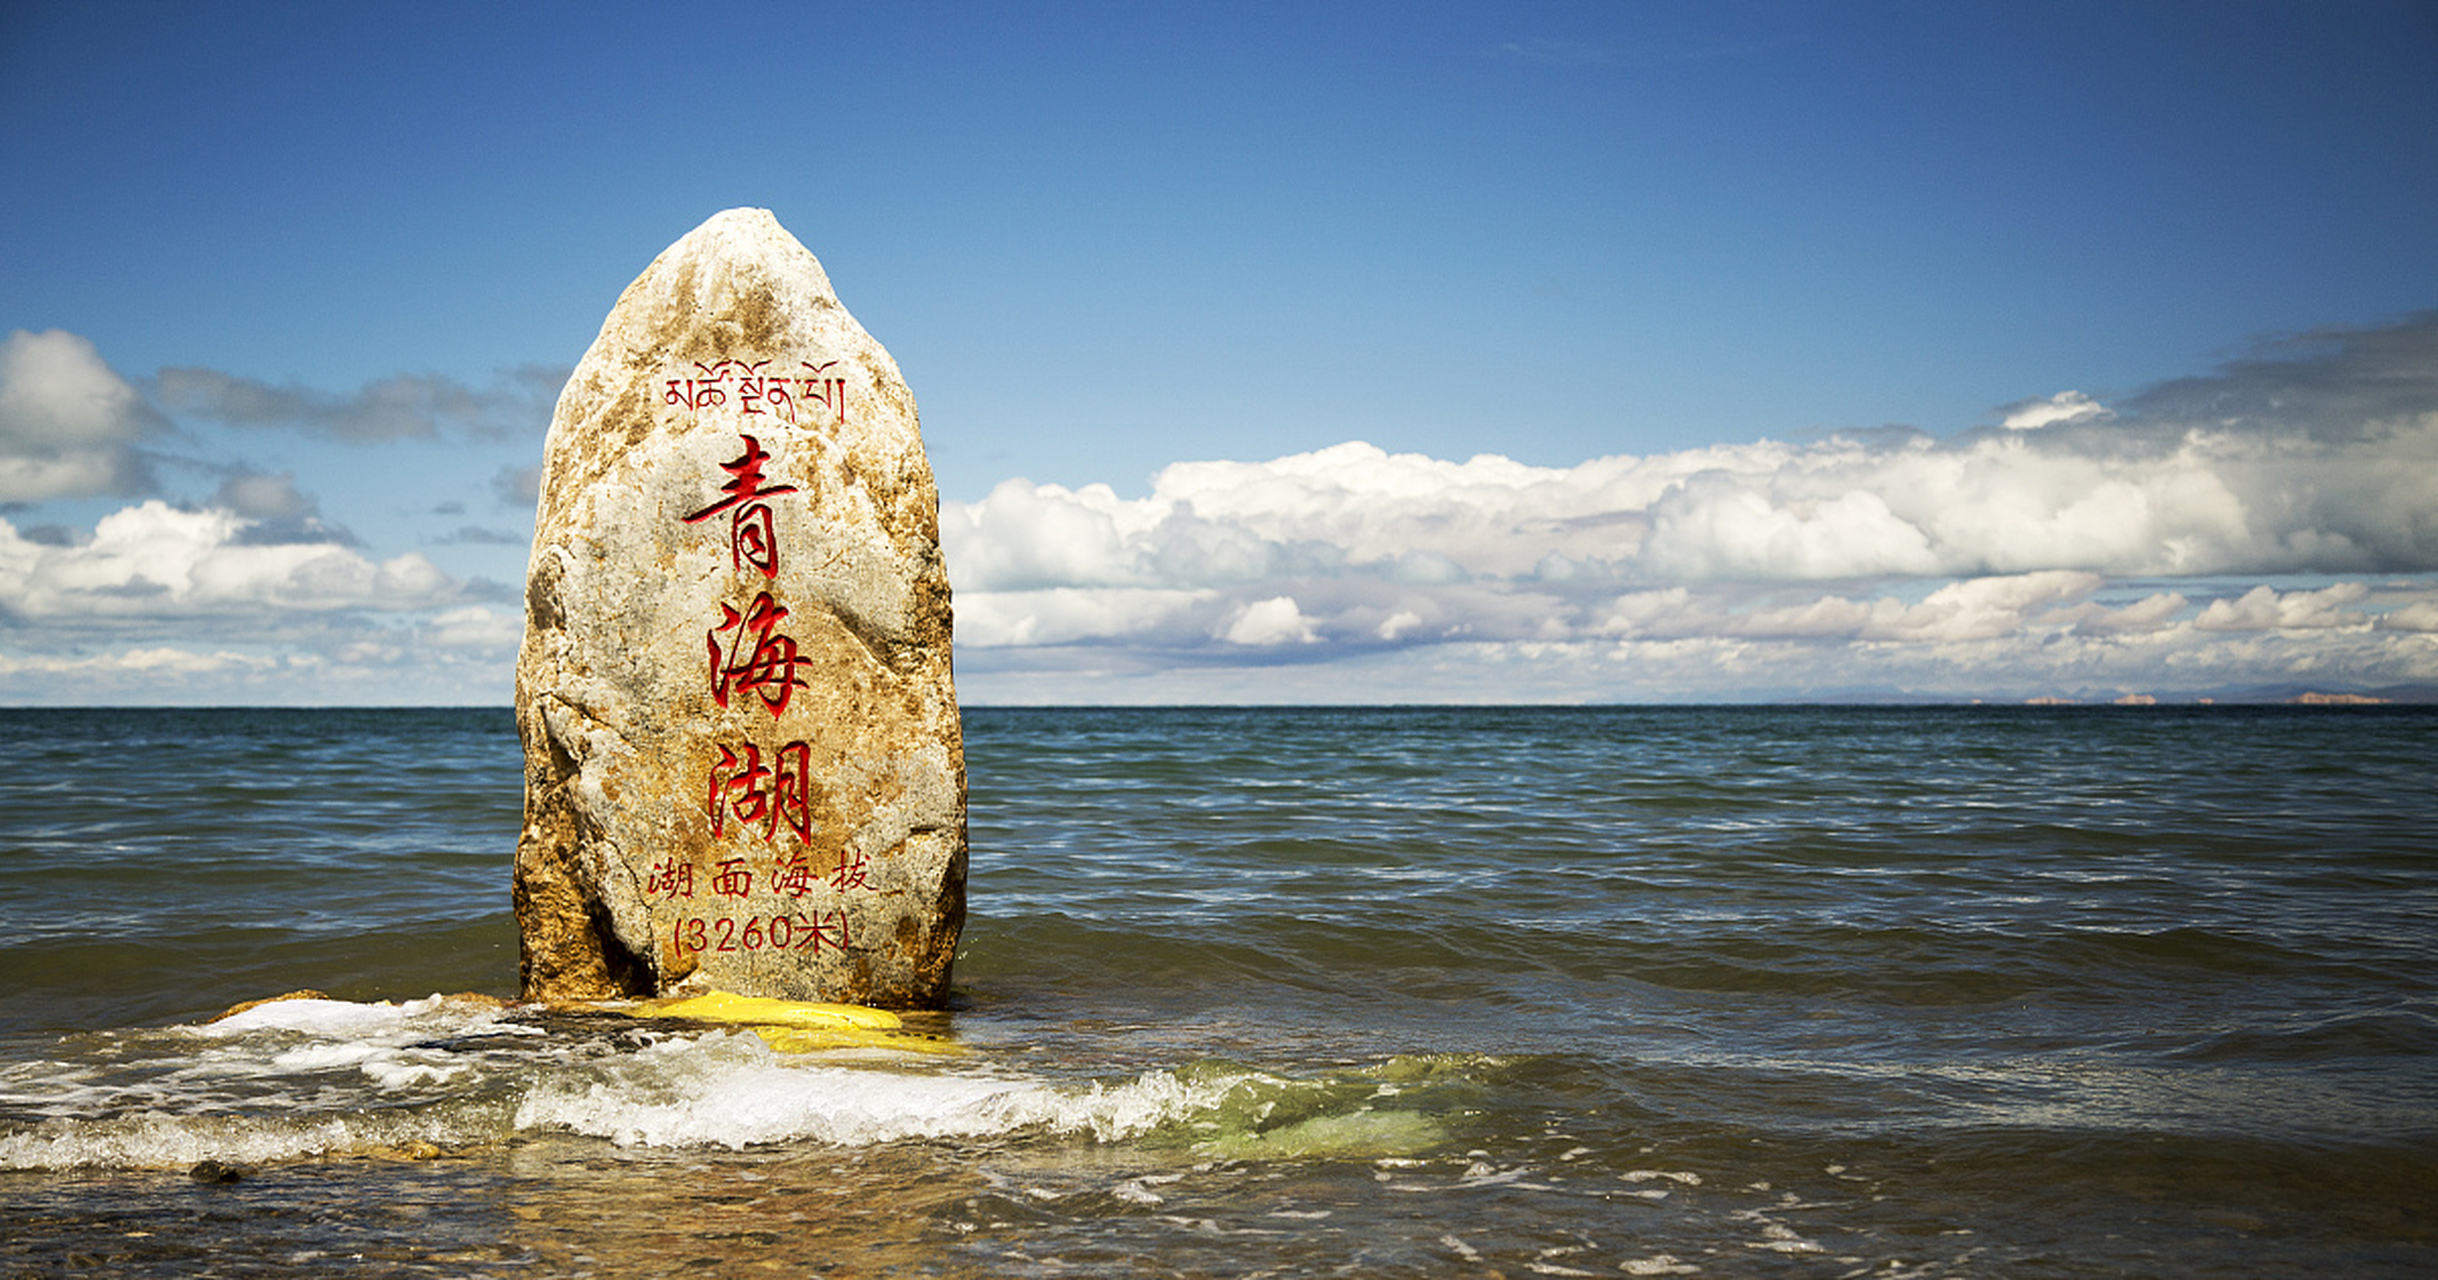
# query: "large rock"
743, 768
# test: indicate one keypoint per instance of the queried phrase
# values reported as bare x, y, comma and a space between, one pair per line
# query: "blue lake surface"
1405, 991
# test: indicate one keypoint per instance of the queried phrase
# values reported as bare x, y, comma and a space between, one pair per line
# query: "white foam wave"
279, 1081
349, 1020
317, 1077
165, 1140
733, 1091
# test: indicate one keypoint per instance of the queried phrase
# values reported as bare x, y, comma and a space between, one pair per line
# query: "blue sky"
303, 278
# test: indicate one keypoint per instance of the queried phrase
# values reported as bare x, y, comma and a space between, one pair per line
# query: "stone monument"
743, 765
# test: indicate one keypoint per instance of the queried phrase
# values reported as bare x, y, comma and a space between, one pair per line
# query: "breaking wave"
309, 1078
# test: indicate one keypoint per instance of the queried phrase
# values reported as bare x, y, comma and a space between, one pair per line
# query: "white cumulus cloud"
475, 627
1276, 620
2065, 406
1070, 615
1848, 557
155, 561
69, 424
2264, 608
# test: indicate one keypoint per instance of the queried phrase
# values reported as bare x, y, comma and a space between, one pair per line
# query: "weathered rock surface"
743, 764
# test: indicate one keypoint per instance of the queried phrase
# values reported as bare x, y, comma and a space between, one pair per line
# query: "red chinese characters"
768, 670
792, 876
757, 790
823, 930
795, 877
753, 535
675, 879
770, 796
733, 880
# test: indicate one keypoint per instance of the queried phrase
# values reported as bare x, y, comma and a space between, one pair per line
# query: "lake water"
1394, 992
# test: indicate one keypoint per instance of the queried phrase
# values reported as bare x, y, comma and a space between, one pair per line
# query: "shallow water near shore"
1782, 991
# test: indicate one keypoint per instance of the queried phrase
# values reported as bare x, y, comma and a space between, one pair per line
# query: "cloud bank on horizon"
2270, 525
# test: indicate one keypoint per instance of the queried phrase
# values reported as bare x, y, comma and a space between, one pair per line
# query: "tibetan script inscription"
759, 392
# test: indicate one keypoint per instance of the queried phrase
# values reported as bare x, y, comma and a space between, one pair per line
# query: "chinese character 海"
792, 877
769, 668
